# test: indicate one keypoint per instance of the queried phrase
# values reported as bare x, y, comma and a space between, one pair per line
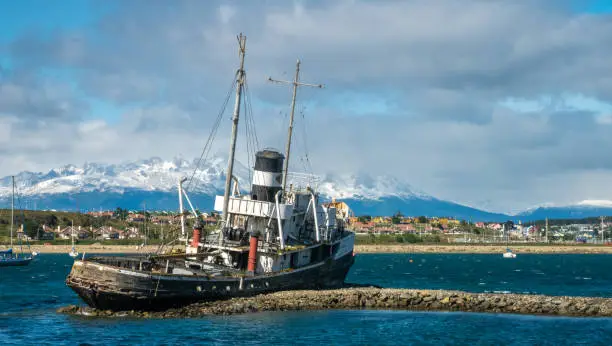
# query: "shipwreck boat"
277, 237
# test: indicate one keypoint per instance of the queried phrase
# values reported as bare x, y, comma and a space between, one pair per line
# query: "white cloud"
226, 13
492, 103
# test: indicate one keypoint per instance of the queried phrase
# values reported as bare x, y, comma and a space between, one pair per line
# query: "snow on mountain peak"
156, 174
596, 203
364, 186
152, 174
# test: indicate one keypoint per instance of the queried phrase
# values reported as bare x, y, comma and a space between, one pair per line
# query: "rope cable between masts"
213, 132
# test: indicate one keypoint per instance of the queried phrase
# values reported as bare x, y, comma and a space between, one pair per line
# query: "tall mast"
547, 230
12, 207
602, 229
230, 163
144, 225
296, 82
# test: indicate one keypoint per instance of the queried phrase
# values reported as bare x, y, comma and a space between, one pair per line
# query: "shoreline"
359, 249
483, 249
93, 248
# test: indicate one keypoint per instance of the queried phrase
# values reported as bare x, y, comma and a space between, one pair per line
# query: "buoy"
411, 260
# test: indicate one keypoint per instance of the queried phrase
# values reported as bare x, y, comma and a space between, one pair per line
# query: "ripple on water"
37, 323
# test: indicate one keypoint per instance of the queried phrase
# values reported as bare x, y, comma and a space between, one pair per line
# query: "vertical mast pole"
181, 209
290, 131
296, 83
145, 221
230, 163
602, 229
547, 230
12, 207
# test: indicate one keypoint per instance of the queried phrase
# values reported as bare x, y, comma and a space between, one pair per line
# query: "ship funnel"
197, 229
267, 175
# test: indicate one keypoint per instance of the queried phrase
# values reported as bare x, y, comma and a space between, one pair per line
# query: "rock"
375, 298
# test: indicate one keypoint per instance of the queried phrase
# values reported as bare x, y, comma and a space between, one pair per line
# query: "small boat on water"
277, 237
509, 254
10, 258
506, 229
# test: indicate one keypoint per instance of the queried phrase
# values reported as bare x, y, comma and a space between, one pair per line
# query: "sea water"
30, 295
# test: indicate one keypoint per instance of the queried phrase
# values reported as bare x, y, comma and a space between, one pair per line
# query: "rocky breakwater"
376, 298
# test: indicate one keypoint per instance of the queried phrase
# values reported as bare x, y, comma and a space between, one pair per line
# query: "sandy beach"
390, 248
538, 249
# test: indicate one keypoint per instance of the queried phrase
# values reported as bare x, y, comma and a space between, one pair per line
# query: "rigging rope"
252, 142
304, 137
250, 112
213, 132
247, 140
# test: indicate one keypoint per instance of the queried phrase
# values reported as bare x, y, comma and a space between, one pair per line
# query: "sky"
497, 104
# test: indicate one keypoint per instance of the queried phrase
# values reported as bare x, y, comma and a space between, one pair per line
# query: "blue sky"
594, 6
38, 17
453, 97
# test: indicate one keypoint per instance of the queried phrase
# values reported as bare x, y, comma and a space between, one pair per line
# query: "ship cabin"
267, 231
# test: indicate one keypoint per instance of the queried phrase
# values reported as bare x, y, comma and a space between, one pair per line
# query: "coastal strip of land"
95, 249
377, 298
360, 249
483, 249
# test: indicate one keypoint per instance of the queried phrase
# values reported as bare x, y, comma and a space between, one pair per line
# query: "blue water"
552, 274
30, 295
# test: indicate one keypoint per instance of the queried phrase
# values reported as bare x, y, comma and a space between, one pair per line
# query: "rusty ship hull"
123, 283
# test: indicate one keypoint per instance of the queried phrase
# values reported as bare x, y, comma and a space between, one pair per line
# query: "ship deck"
166, 265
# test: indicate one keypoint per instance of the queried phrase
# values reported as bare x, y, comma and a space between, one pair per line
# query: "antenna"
296, 83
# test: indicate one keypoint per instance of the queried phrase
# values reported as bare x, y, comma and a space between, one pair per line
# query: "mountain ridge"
94, 186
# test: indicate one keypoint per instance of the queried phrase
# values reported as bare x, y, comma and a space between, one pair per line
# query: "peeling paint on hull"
107, 287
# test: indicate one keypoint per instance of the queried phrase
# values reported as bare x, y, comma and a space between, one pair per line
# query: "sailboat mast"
602, 229
145, 222
296, 83
290, 131
12, 207
230, 163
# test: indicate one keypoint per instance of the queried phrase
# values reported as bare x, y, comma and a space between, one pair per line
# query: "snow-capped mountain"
152, 174
364, 186
95, 186
157, 175
578, 210
154, 181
